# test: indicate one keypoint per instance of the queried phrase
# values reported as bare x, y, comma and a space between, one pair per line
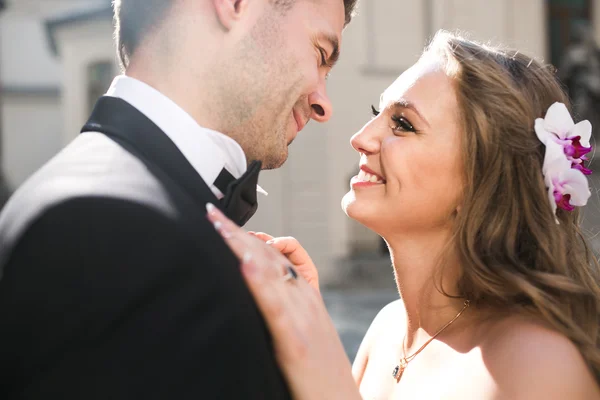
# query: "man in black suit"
114, 284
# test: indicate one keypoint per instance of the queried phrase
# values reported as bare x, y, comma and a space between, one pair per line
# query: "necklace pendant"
397, 374
399, 370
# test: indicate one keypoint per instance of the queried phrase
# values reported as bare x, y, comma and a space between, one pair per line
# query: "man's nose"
321, 108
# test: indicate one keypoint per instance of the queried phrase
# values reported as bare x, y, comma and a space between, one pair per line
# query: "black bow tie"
240, 201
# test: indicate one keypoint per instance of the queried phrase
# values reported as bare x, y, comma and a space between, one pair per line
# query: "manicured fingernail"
270, 241
210, 208
219, 228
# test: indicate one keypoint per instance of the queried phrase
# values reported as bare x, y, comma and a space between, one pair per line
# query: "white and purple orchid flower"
564, 171
574, 138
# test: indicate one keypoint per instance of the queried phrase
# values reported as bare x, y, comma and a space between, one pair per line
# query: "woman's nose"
366, 140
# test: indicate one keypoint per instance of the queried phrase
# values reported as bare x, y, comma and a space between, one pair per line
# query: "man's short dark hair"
134, 18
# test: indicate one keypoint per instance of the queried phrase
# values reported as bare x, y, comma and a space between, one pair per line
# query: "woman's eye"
402, 124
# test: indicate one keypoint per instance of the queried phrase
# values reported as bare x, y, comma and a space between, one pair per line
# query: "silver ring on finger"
291, 274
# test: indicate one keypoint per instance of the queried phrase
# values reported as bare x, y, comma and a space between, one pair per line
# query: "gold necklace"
399, 369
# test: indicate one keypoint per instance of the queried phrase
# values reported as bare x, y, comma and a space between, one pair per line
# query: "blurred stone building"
57, 57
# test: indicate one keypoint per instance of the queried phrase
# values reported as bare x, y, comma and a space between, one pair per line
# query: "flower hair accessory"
567, 145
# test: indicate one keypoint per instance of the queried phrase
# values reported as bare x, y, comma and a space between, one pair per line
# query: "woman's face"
410, 178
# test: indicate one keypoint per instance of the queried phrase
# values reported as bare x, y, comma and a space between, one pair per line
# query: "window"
563, 16
99, 77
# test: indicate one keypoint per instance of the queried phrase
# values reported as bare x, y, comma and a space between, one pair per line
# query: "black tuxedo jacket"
115, 285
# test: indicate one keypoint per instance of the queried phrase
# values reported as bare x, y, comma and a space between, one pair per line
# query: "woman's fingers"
309, 351
292, 249
288, 246
266, 273
286, 307
265, 237
307, 346
244, 245
281, 251
297, 255
270, 293
228, 230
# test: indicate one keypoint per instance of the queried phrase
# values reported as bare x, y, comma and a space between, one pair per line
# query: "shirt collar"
208, 151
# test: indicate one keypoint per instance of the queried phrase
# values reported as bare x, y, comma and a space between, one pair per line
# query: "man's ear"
229, 11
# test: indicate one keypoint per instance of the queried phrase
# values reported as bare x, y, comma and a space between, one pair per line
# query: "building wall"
81, 45
26, 57
32, 126
31, 84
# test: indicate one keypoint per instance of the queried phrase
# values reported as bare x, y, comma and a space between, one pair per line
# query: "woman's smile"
366, 178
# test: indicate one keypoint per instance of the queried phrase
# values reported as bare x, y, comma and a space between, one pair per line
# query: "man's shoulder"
96, 232
93, 164
90, 167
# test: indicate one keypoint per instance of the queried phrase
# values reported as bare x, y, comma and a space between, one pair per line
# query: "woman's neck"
423, 265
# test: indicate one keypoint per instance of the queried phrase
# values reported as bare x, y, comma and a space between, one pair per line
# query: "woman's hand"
307, 346
296, 255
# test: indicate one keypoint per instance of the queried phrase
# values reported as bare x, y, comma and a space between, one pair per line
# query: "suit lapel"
130, 128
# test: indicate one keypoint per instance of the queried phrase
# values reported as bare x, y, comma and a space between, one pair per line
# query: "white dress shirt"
206, 150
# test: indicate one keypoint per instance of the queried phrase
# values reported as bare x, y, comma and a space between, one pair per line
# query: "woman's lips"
366, 178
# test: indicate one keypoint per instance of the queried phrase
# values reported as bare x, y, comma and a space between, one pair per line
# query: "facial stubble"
262, 87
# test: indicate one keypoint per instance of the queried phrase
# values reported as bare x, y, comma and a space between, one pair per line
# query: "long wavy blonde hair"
513, 253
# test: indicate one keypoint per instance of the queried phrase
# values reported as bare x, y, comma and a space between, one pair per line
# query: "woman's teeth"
367, 177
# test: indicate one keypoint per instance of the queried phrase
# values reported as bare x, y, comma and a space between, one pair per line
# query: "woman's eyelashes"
374, 111
400, 124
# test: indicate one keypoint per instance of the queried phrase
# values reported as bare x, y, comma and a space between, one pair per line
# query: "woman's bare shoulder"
530, 360
390, 319
388, 316
390, 312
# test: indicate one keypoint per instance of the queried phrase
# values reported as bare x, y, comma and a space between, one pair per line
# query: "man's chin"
274, 162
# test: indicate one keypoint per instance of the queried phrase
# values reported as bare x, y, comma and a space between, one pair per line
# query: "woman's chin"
347, 201
373, 215
353, 208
